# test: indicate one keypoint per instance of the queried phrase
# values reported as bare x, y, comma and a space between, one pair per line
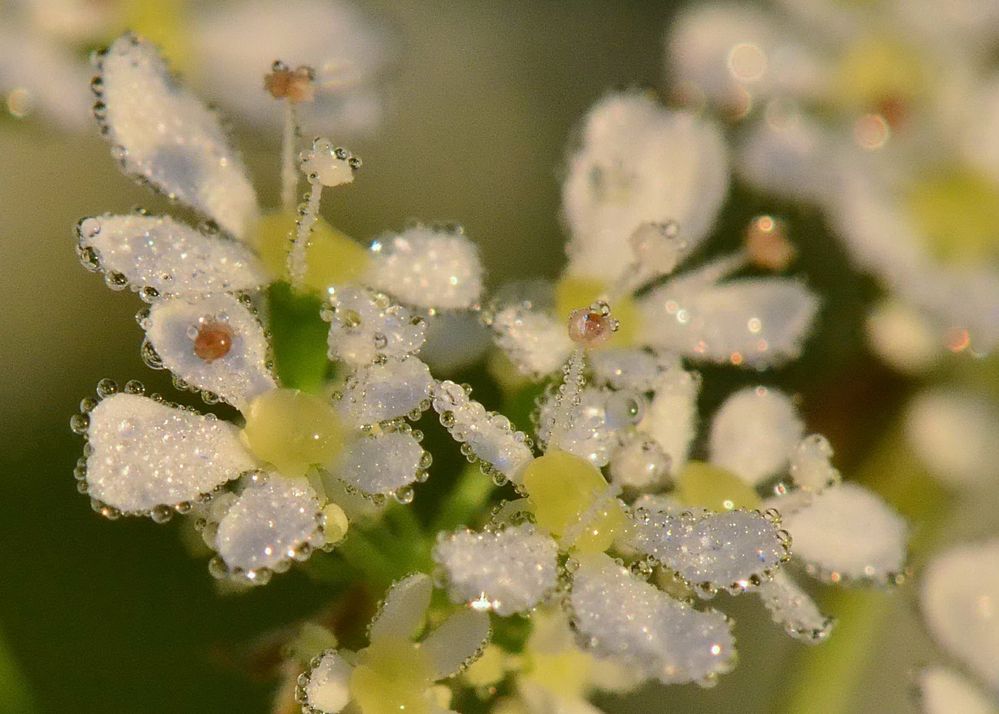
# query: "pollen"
213, 341
295, 85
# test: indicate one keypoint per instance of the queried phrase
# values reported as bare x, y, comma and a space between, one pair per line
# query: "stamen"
293, 86
213, 340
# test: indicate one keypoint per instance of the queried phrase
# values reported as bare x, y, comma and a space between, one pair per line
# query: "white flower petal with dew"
328, 688
754, 432
671, 417
942, 690
726, 51
791, 607
269, 523
624, 617
387, 390
513, 568
756, 322
591, 434
428, 268
811, 466
456, 642
170, 257
491, 437
536, 342
365, 325
960, 603
954, 433
734, 550
235, 45
165, 135
639, 163
238, 376
146, 454
640, 463
383, 463
848, 531
404, 609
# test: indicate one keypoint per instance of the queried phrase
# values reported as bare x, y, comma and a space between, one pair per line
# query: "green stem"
14, 694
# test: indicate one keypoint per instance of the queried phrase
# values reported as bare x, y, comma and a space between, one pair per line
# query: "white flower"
908, 177
959, 600
226, 48
643, 191
393, 672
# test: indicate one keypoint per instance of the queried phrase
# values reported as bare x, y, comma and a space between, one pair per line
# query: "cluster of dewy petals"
393, 672
165, 136
960, 604
628, 619
507, 570
639, 163
235, 44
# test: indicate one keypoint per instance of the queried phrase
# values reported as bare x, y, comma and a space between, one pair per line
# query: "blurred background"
482, 98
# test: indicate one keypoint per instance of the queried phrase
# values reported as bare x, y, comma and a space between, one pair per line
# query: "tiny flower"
959, 591
395, 673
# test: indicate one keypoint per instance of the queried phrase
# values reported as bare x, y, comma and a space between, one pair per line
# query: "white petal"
511, 570
169, 257
274, 520
719, 49
954, 434
364, 325
626, 368
904, 337
945, 691
535, 341
960, 601
754, 433
428, 268
163, 134
490, 437
671, 418
593, 433
173, 326
454, 340
811, 468
639, 163
791, 607
391, 389
384, 463
625, 617
789, 155
327, 690
456, 642
848, 531
735, 550
144, 454
45, 76
640, 464
403, 610
236, 43
752, 321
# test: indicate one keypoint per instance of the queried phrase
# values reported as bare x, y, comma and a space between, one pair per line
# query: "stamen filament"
289, 172
297, 256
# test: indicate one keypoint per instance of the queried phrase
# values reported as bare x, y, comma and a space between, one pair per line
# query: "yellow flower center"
572, 293
877, 71
566, 671
163, 22
333, 258
708, 486
392, 676
570, 500
956, 209
292, 430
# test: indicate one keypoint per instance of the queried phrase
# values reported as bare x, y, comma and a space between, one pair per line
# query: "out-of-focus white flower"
643, 191
393, 672
863, 110
903, 336
960, 604
225, 48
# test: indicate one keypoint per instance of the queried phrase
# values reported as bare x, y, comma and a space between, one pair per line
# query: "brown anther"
767, 244
895, 110
590, 327
295, 85
213, 341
